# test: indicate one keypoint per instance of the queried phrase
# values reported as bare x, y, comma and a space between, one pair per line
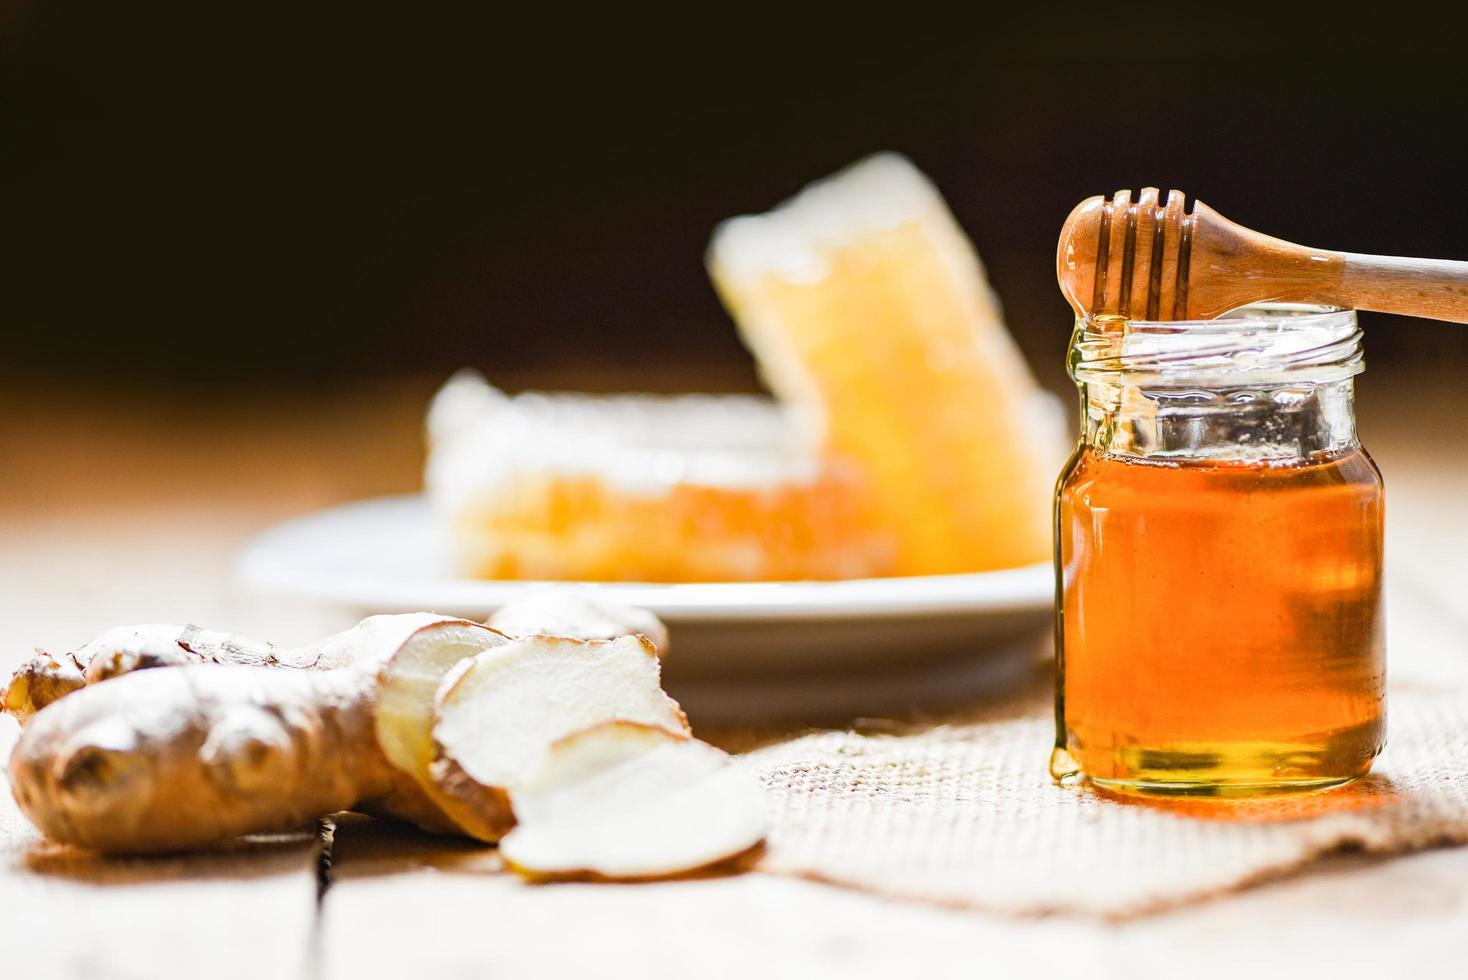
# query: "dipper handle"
1145, 259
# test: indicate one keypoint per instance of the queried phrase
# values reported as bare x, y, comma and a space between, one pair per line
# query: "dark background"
196, 193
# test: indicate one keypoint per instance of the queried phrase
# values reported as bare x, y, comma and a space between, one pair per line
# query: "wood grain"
247, 911
110, 517
407, 906
1146, 260
154, 543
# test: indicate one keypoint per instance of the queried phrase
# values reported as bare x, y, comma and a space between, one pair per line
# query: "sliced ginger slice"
498, 714
578, 613
628, 801
407, 684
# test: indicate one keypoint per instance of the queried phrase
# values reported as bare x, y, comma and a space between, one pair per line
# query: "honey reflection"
1370, 792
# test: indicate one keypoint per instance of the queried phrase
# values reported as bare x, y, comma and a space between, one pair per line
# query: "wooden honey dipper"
1146, 260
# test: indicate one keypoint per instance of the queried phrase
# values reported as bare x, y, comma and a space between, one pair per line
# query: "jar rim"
1259, 344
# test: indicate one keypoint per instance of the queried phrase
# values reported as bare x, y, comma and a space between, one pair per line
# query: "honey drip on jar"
1221, 626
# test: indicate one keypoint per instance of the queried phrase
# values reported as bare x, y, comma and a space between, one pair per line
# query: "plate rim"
1025, 589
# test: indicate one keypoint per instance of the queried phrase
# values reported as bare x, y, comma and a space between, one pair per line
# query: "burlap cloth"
964, 813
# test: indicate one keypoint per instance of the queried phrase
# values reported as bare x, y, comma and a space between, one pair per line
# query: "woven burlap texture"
964, 814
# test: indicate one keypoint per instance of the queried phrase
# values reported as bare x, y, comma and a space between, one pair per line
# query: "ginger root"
549, 611
171, 759
174, 758
112, 653
443, 722
40, 681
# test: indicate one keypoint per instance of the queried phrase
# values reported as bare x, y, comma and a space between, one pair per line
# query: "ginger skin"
166, 759
172, 759
40, 681
47, 678
123, 649
158, 737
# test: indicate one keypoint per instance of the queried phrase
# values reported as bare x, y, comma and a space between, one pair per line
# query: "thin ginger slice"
498, 714
407, 685
629, 801
577, 613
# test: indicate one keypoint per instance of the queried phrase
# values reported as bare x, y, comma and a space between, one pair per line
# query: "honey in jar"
1219, 559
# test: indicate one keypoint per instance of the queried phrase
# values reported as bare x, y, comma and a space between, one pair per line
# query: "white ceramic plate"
885, 635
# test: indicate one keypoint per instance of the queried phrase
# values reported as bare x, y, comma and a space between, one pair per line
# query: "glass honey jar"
1218, 546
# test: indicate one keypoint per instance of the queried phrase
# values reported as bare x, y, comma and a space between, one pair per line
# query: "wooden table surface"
123, 506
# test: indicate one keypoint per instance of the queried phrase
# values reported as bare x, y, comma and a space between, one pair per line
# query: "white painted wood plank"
405, 905
247, 912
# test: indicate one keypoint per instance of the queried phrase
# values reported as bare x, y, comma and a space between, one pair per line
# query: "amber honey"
1219, 622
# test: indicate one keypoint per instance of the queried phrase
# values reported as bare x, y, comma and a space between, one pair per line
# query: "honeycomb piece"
644, 488
871, 317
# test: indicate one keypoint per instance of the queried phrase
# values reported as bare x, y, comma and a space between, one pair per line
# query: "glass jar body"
1219, 558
